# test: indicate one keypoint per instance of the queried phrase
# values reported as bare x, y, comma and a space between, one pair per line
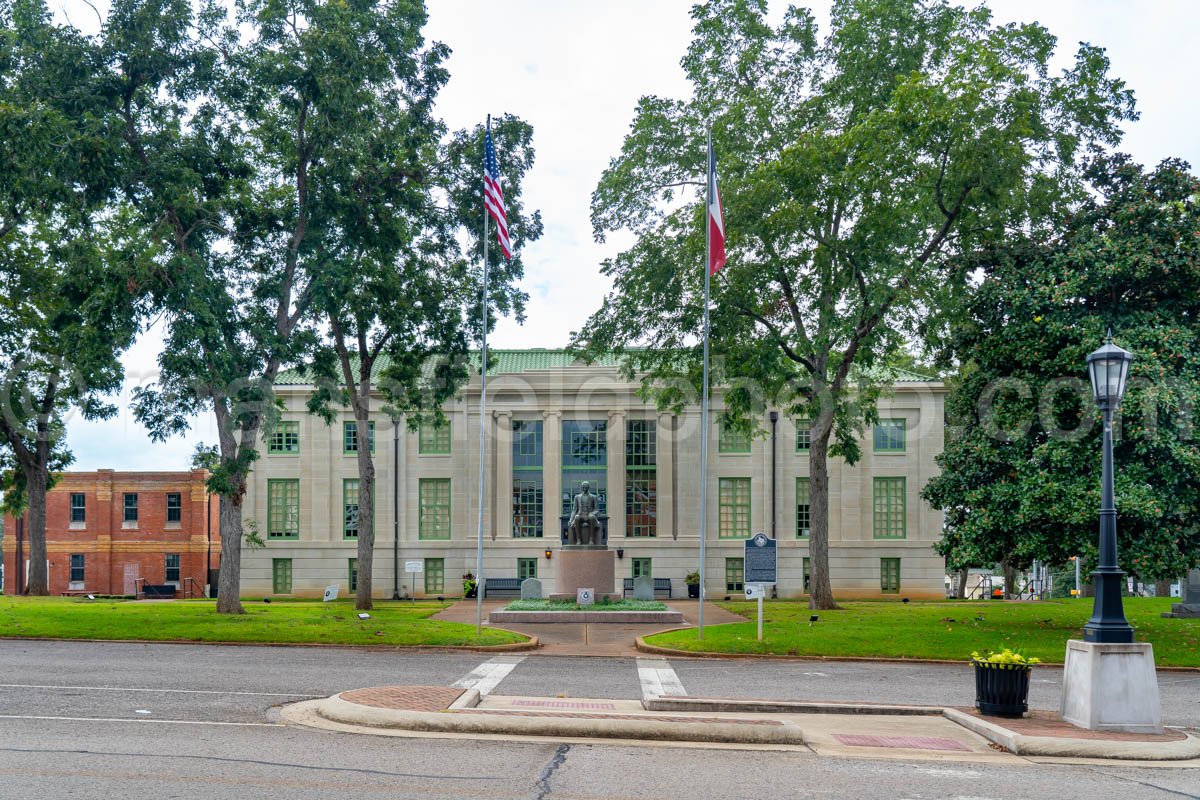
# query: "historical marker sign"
414, 566
760, 559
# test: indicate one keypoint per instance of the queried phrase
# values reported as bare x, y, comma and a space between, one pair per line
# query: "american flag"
493, 196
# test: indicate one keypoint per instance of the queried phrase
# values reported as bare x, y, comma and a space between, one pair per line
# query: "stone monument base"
584, 569
1111, 687
1183, 611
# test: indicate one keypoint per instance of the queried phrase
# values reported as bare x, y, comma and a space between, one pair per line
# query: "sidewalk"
589, 639
831, 729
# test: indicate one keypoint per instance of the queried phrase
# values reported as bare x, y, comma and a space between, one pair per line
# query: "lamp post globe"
1108, 368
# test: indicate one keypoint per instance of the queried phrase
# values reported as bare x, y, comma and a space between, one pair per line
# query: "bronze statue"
584, 526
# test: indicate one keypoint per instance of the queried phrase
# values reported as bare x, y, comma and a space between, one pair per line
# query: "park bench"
501, 586
660, 585
158, 590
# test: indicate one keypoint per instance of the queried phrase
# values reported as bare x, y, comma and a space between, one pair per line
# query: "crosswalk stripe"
659, 679
488, 675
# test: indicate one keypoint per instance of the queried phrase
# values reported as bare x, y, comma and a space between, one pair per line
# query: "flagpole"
704, 389
482, 417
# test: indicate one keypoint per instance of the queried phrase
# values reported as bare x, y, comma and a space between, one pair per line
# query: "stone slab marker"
643, 588
1190, 591
531, 589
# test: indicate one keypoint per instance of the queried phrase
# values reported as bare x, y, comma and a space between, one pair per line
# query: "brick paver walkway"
405, 698
1047, 723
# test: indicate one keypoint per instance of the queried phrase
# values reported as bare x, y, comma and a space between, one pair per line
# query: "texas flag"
716, 220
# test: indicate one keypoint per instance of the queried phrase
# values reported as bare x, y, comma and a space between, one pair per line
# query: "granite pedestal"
585, 567
1111, 687
1190, 607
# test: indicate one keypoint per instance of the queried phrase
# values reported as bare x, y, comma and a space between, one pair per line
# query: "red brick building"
108, 532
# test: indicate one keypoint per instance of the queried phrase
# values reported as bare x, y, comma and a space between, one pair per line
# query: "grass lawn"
937, 630
617, 605
299, 622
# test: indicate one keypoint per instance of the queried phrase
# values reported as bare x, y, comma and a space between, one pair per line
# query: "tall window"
435, 575
803, 509
171, 571
806, 573
641, 485
433, 497
735, 574
281, 575
889, 517
131, 506
434, 439
350, 508
283, 509
526, 568
889, 575
732, 440
78, 507
285, 439
350, 436
889, 436
352, 573
734, 494
527, 478
803, 435
174, 507
641, 568
77, 570
585, 458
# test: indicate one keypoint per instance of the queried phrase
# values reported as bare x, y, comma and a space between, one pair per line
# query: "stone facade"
93, 548
881, 532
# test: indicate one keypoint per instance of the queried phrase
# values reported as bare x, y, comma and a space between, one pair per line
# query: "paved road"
83, 720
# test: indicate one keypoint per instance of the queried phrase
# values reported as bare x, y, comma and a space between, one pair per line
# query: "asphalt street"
101, 720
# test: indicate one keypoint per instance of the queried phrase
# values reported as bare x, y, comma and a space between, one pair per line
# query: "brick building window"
889, 575
889, 522
77, 568
435, 575
734, 506
434, 439
285, 439
174, 507
78, 507
281, 575
131, 507
433, 497
283, 509
350, 437
172, 571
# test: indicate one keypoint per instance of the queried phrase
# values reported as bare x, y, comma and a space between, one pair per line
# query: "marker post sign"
760, 570
414, 567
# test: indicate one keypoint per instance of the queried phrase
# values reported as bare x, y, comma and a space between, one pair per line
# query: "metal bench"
660, 585
158, 590
501, 586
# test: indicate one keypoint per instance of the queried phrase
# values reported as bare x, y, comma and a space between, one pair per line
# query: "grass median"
948, 630
295, 622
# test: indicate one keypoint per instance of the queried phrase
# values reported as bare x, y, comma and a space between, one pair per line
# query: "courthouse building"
553, 423
110, 532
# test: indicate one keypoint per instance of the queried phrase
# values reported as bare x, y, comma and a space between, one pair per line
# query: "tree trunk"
35, 530
366, 507
821, 595
229, 584
1010, 578
960, 588
1162, 588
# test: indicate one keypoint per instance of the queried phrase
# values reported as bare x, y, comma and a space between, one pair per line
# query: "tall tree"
851, 170
68, 306
401, 239
1021, 472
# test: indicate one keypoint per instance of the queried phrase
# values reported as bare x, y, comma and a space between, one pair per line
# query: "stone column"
665, 477
502, 518
616, 477
551, 475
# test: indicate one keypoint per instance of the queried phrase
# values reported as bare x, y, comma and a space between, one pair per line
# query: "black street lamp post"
1108, 368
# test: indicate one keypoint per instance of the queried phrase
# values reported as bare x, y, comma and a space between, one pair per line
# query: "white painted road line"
143, 721
659, 679
165, 691
488, 675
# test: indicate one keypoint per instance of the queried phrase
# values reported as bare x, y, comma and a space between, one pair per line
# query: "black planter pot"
1001, 690
471, 593
693, 590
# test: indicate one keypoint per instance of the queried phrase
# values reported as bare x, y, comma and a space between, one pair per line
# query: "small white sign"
331, 592
755, 591
585, 597
414, 566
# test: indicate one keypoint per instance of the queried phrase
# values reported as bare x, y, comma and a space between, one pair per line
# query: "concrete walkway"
589, 639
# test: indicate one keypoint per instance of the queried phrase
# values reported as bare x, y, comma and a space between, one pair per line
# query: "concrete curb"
697, 704
1054, 746
620, 617
532, 644
335, 709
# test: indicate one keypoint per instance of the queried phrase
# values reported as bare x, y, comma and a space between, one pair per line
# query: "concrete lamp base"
1111, 687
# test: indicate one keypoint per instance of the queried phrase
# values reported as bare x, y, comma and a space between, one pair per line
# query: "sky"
575, 70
